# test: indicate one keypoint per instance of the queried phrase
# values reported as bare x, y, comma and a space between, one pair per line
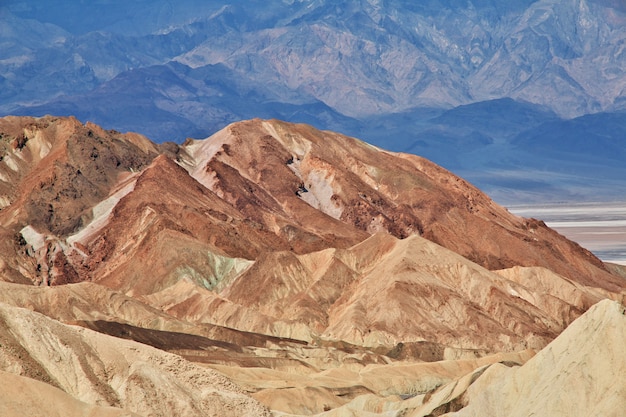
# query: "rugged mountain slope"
359, 58
282, 186
303, 264
380, 71
374, 190
256, 186
56, 170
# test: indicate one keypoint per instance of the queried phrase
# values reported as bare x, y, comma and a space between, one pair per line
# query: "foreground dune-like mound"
581, 373
108, 371
28, 397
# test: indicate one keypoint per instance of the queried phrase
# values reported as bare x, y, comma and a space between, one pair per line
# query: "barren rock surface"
320, 274
581, 373
28, 397
103, 370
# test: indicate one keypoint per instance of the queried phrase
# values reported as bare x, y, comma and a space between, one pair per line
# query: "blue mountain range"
525, 99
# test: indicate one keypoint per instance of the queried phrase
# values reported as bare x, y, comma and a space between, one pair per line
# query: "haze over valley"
599, 227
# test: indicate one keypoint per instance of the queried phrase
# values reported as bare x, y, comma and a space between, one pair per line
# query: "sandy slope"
28, 397
107, 371
581, 373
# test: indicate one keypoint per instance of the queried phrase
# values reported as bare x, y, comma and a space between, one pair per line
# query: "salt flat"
599, 227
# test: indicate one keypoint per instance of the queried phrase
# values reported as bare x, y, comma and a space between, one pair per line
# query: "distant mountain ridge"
372, 69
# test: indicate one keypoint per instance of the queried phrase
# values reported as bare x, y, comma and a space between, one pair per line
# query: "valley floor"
599, 227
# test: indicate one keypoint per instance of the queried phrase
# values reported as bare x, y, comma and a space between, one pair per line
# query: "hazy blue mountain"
172, 100
596, 138
553, 159
483, 87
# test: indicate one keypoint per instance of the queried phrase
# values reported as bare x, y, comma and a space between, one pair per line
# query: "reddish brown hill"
259, 165
254, 187
58, 169
175, 222
52, 173
302, 263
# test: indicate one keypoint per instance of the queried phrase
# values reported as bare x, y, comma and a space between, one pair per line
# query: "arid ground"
599, 227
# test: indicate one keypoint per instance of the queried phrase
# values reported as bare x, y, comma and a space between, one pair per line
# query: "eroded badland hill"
277, 269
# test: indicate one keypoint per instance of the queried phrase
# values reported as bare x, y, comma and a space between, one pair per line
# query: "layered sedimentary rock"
319, 273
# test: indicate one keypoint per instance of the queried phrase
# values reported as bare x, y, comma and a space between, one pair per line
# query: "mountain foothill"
277, 269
